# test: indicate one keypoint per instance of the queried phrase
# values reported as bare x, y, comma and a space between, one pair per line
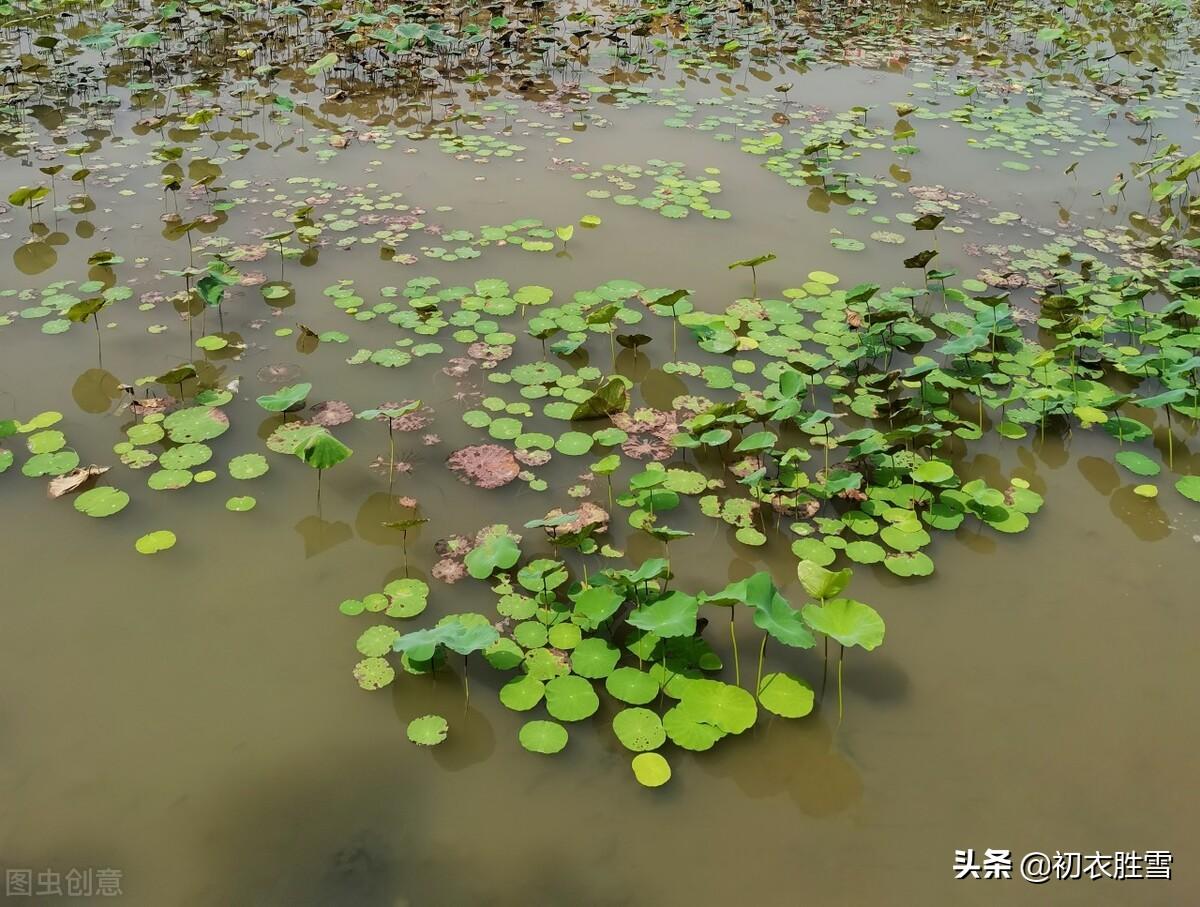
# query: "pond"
596, 453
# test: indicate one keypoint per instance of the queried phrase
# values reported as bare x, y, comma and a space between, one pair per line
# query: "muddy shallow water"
190, 718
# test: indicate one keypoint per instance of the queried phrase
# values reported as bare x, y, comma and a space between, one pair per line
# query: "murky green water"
191, 718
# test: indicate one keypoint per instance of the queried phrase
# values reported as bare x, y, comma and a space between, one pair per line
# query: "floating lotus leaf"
51, 464
484, 465
688, 733
1189, 487
593, 657
169, 479
785, 696
428, 730
409, 597
377, 641
522, 693
240, 504
374, 673
547, 737
102, 502
248, 466
631, 685
728, 708
651, 770
639, 730
571, 698
185, 456
197, 423
154, 542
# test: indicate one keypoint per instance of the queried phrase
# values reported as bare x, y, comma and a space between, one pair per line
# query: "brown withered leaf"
73, 480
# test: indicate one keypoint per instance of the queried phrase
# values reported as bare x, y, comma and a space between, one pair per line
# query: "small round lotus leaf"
185, 456
522, 693
169, 479
154, 542
197, 423
240, 504
145, 433
6, 459
44, 442
639, 730
409, 597
428, 730
377, 641
915, 564
374, 673
933, 472
1137, 463
565, 636
785, 696
52, 464
536, 373
376, 602
41, 420
1146, 491
651, 769
593, 657
101, 502
571, 698
726, 707
531, 634
351, 607
544, 664
504, 654
574, 443
248, 466
631, 685
688, 733
547, 737
1189, 487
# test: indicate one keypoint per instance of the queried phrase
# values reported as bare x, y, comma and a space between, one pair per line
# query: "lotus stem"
824, 667
841, 654
466, 681
762, 650
737, 666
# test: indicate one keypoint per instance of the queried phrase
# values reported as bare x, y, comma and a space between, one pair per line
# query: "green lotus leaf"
1189, 487
594, 657
785, 696
428, 730
547, 737
248, 466
596, 604
850, 622
571, 698
408, 597
639, 730
497, 551
377, 641
670, 616
374, 673
632, 686
522, 693
101, 502
651, 770
688, 733
240, 504
197, 423
728, 708
154, 542
285, 398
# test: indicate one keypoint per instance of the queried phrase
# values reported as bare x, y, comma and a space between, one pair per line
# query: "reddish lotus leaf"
331, 413
484, 465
